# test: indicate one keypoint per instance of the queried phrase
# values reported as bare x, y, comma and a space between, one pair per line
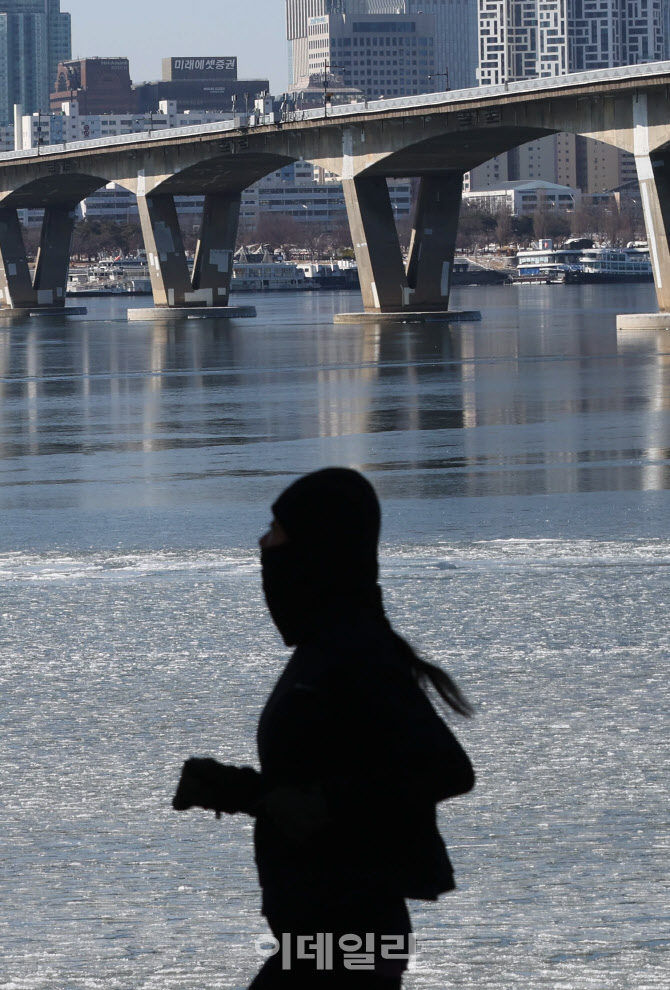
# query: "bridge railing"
244, 123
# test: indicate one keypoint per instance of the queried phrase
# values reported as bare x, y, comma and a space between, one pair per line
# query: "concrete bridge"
436, 138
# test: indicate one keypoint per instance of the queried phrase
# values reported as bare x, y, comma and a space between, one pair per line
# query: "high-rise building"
455, 40
521, 39
298, 13
34, 37
455, 34
378, 54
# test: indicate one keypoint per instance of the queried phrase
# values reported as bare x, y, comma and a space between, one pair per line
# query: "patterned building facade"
520, 39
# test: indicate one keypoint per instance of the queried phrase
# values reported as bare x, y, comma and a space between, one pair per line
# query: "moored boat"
465, 273
270, 276
579, 262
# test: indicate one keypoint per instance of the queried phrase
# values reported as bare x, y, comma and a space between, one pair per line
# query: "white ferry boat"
91, 283
630, 264
340, 274
578, 261
270, 276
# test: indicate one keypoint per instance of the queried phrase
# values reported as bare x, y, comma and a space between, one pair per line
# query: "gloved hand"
206, 783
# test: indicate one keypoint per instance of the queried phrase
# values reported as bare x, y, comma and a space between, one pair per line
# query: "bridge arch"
57, 188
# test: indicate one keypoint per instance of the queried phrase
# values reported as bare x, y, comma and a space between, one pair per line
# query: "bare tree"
541, 217
582, 220
504, 226
276, 229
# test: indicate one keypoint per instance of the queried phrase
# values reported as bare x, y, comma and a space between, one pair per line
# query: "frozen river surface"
523, 467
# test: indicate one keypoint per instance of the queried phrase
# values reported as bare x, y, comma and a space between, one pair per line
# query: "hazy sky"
148, 30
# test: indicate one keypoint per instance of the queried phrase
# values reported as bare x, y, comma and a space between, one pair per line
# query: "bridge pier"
170, 280
389, 289
47, 289
213, 265
433, 244
375, 238
171, 283
653, 173
654, 178
53, 256
16, 286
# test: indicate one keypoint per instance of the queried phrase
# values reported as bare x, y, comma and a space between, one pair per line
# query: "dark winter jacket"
348, 722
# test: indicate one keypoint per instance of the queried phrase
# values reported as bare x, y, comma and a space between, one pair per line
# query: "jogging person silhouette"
353, 756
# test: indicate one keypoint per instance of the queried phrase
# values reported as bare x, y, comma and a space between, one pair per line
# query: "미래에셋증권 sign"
224, 67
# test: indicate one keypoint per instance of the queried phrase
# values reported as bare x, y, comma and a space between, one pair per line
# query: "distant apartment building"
71, 125
34, 37
308, 193
523, 198
301, 191
520, 39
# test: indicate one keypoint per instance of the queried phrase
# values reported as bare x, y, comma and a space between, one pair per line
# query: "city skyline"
148, 32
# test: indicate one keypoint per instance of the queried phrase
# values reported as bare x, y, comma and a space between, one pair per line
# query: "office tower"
455, 34
298, 13
456, 54
34, 38
378, 54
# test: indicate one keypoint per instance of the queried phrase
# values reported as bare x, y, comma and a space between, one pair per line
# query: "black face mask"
291, 597
302, 592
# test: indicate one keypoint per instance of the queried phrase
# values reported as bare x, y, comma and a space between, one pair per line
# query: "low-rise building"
71, 125
519, 197
97, 85
204, 83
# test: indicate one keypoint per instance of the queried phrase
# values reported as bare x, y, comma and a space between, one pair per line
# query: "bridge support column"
53, 256
654, 178
171, 284
433, 244
375, 238
213, 266
170, 281
16, 286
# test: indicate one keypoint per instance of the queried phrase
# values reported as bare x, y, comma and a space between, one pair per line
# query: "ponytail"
429, 673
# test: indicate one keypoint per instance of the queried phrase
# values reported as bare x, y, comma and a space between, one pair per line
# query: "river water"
523, 463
